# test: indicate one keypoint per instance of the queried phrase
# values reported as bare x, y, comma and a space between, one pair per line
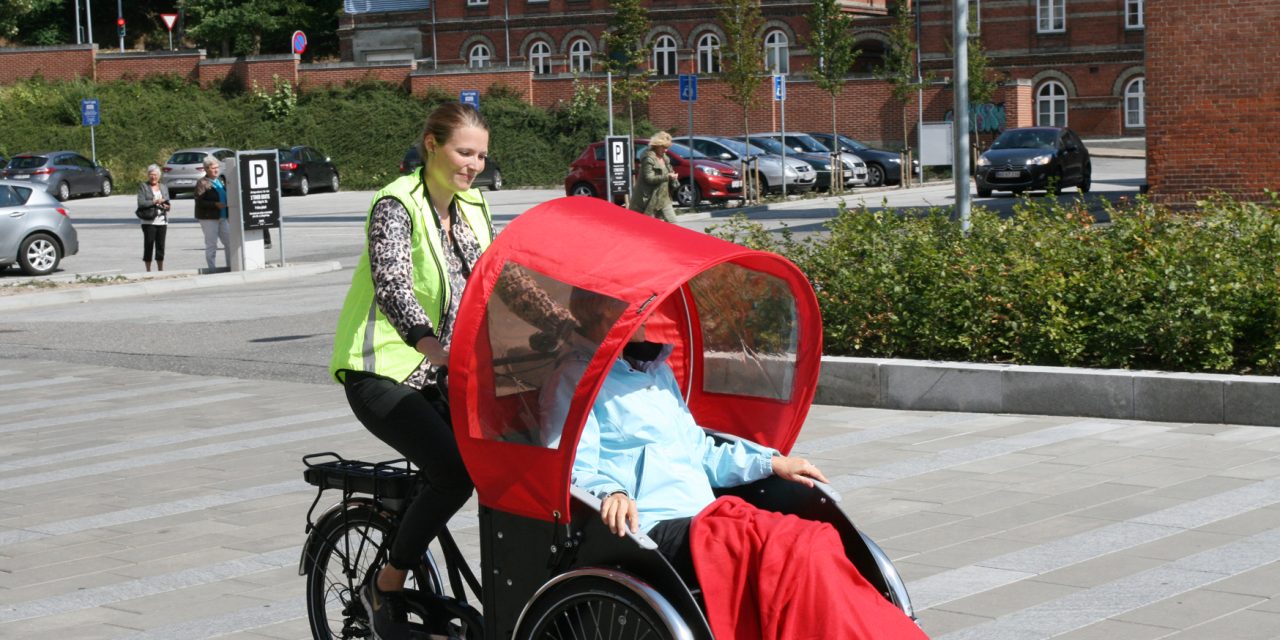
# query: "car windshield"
1026, 139
27, 162
286, 155
740, 148
684, 152
806, 143
768, 144
850, 142
187, 157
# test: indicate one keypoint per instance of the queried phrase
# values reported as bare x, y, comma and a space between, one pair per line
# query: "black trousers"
153, 238
672, 538
402, 417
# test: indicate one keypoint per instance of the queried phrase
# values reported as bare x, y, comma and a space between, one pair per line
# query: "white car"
799, 174
186, 166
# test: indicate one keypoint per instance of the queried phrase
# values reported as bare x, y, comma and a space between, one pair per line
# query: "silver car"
35, 231
855, 170
62, 173
186, 166
799, 175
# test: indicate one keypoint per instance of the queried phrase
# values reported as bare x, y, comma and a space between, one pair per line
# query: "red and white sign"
169, 19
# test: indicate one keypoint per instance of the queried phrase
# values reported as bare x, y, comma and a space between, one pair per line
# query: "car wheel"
687, 195
762, 189
875, 175
39, 254
64, 191
496, 185
583, 189
106, 187
334, 184
1086, 182
304, 186
984, 193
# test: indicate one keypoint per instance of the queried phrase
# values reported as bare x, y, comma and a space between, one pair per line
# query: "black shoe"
267, 246
387, 617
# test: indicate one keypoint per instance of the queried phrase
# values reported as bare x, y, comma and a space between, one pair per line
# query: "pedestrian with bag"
423, 235
153, 213
652, 192
211, 211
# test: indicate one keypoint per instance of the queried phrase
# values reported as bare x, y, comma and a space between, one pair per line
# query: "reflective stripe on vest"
365, 339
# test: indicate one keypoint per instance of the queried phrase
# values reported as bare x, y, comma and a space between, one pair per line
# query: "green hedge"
1154, 289
365, 128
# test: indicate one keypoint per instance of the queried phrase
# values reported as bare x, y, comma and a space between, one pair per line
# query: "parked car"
303, 168
713, 180
1034, 158
490, 177
35, 231
883, 167
855, 172
63, 174
799, 175
186, 166
3, 161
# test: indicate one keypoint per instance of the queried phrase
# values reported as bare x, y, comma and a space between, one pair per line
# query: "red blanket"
765, 575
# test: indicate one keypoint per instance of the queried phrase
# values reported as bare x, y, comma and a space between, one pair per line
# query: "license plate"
182, 183
736, 184
21, 177
1008, 174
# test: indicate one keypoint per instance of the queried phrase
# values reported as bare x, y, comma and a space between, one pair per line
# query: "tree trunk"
837, 158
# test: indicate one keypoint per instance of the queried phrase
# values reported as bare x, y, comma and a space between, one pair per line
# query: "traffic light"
120, 26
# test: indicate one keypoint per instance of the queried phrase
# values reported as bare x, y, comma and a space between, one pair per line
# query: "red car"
715, 180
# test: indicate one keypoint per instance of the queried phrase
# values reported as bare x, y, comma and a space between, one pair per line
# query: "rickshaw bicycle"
747, 337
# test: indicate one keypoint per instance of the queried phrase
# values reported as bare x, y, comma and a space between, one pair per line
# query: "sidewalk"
148, 504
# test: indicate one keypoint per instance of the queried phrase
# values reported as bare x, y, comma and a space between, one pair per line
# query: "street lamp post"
960, 144
88, 19
120, 22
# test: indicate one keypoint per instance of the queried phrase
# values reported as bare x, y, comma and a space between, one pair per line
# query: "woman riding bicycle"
424, 233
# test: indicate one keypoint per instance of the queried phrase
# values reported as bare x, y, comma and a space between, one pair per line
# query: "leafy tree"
831, 41
41, 22
626, 52
899, 68
742, 62
235, 27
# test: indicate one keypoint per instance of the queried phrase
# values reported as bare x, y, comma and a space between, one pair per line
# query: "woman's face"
153, 177
213, 170
457, 162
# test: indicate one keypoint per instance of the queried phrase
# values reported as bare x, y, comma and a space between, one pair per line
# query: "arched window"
1135, 103
1051, 105
540, 58
479, 56
664, 56
777, 59
580, 56
709, 54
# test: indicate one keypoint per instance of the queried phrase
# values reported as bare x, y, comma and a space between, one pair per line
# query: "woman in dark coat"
153, 210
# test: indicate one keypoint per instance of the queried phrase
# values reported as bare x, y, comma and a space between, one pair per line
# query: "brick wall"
337, 75
116, 66
1213, 113
454, 83
67, 62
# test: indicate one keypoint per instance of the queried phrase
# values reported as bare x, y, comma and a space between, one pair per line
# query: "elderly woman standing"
651, 195
153, 212
211, 211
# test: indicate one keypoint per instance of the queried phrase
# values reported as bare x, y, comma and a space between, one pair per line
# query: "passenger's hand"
618, 510
797, 470
434, 351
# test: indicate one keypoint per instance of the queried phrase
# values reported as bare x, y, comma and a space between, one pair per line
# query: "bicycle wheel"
593, 608
351, 547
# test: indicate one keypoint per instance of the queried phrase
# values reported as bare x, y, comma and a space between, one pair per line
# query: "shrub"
1152, 289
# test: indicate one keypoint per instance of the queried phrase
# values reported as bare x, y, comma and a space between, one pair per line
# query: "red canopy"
745, 325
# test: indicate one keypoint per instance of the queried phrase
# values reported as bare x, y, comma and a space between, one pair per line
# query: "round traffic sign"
299, 41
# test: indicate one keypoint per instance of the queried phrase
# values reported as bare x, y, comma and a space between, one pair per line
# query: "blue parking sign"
688, 87
470, 97
90, 116
779, 88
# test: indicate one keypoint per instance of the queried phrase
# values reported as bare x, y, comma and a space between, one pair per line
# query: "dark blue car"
1034, 158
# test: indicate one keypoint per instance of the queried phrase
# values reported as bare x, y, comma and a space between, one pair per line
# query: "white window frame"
1135, 103
1051, 16
1051, 94
665, 62
708, 53
777, 52
580, 56
477, 3
540, 58
479, 56
1133, 14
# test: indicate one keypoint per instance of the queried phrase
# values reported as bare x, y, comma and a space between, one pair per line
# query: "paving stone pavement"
156, 505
